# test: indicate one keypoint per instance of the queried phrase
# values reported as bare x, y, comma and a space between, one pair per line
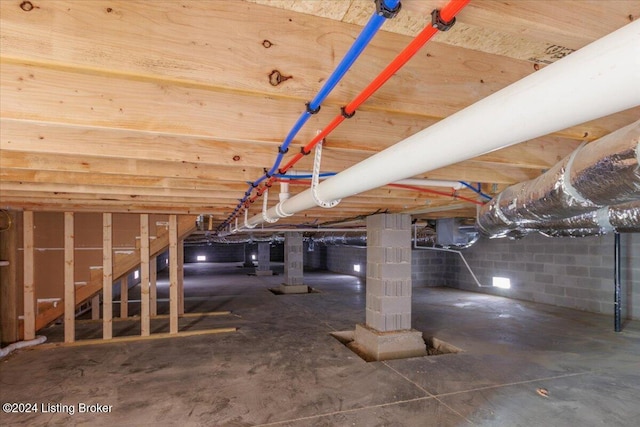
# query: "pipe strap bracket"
315, 178
246, 217
439, 23
265, 217
310, 110
385, 11
343, 112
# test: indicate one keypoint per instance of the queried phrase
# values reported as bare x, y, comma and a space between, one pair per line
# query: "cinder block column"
387, 333
389, 272
293, 264
264, 259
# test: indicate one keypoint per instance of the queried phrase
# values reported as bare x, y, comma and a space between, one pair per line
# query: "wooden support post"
181, 277
124, 296
95, 307
153, 288
8, 282
145, 322
69, 279
173, 274
28, 275
107, 277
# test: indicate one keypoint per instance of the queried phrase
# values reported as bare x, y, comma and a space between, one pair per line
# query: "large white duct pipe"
600, 79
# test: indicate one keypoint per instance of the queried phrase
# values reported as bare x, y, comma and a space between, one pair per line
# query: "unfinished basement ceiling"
171, 107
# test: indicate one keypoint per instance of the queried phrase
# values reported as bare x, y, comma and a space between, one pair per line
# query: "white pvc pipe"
418, 182
600, 79
430, 183
21, 344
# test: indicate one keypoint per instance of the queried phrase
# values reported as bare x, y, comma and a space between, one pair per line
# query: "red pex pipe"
441, 193
403, 186
447, 14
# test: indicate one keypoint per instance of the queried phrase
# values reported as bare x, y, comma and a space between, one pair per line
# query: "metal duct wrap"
595, 190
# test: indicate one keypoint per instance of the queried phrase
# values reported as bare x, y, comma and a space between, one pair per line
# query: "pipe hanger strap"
317, 159
246, 216
264, 209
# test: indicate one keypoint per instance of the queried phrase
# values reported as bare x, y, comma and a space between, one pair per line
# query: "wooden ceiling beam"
28, 180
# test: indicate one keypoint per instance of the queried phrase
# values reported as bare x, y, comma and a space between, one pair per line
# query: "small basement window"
356, 268
502, 282
201, 258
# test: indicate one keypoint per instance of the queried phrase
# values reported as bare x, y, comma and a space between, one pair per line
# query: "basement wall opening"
434, 346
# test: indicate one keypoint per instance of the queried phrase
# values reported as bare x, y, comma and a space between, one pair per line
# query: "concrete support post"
264, 259
387, 333
293, 265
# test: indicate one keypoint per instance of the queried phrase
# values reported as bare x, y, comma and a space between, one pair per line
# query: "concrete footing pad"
293, 289
264, 272
376, 345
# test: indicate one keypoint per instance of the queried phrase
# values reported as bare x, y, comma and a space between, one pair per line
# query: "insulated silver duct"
593, 191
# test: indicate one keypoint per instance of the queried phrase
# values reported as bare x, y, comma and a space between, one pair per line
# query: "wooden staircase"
123, 263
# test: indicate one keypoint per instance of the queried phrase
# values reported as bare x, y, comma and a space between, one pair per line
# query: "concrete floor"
282, 368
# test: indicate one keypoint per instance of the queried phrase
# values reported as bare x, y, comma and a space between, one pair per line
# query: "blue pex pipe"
476, 190
358, 46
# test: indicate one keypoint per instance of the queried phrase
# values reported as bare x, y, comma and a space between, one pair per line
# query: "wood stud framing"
181, 277
145, 323
124, 296
107, 276
173, 274
69, 279
28, 276
9, 286
153, 288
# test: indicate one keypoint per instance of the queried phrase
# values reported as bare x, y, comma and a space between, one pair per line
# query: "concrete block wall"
432, 268
216, 252
276, 254
341, 259
230, 252
316, 259
572, 273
